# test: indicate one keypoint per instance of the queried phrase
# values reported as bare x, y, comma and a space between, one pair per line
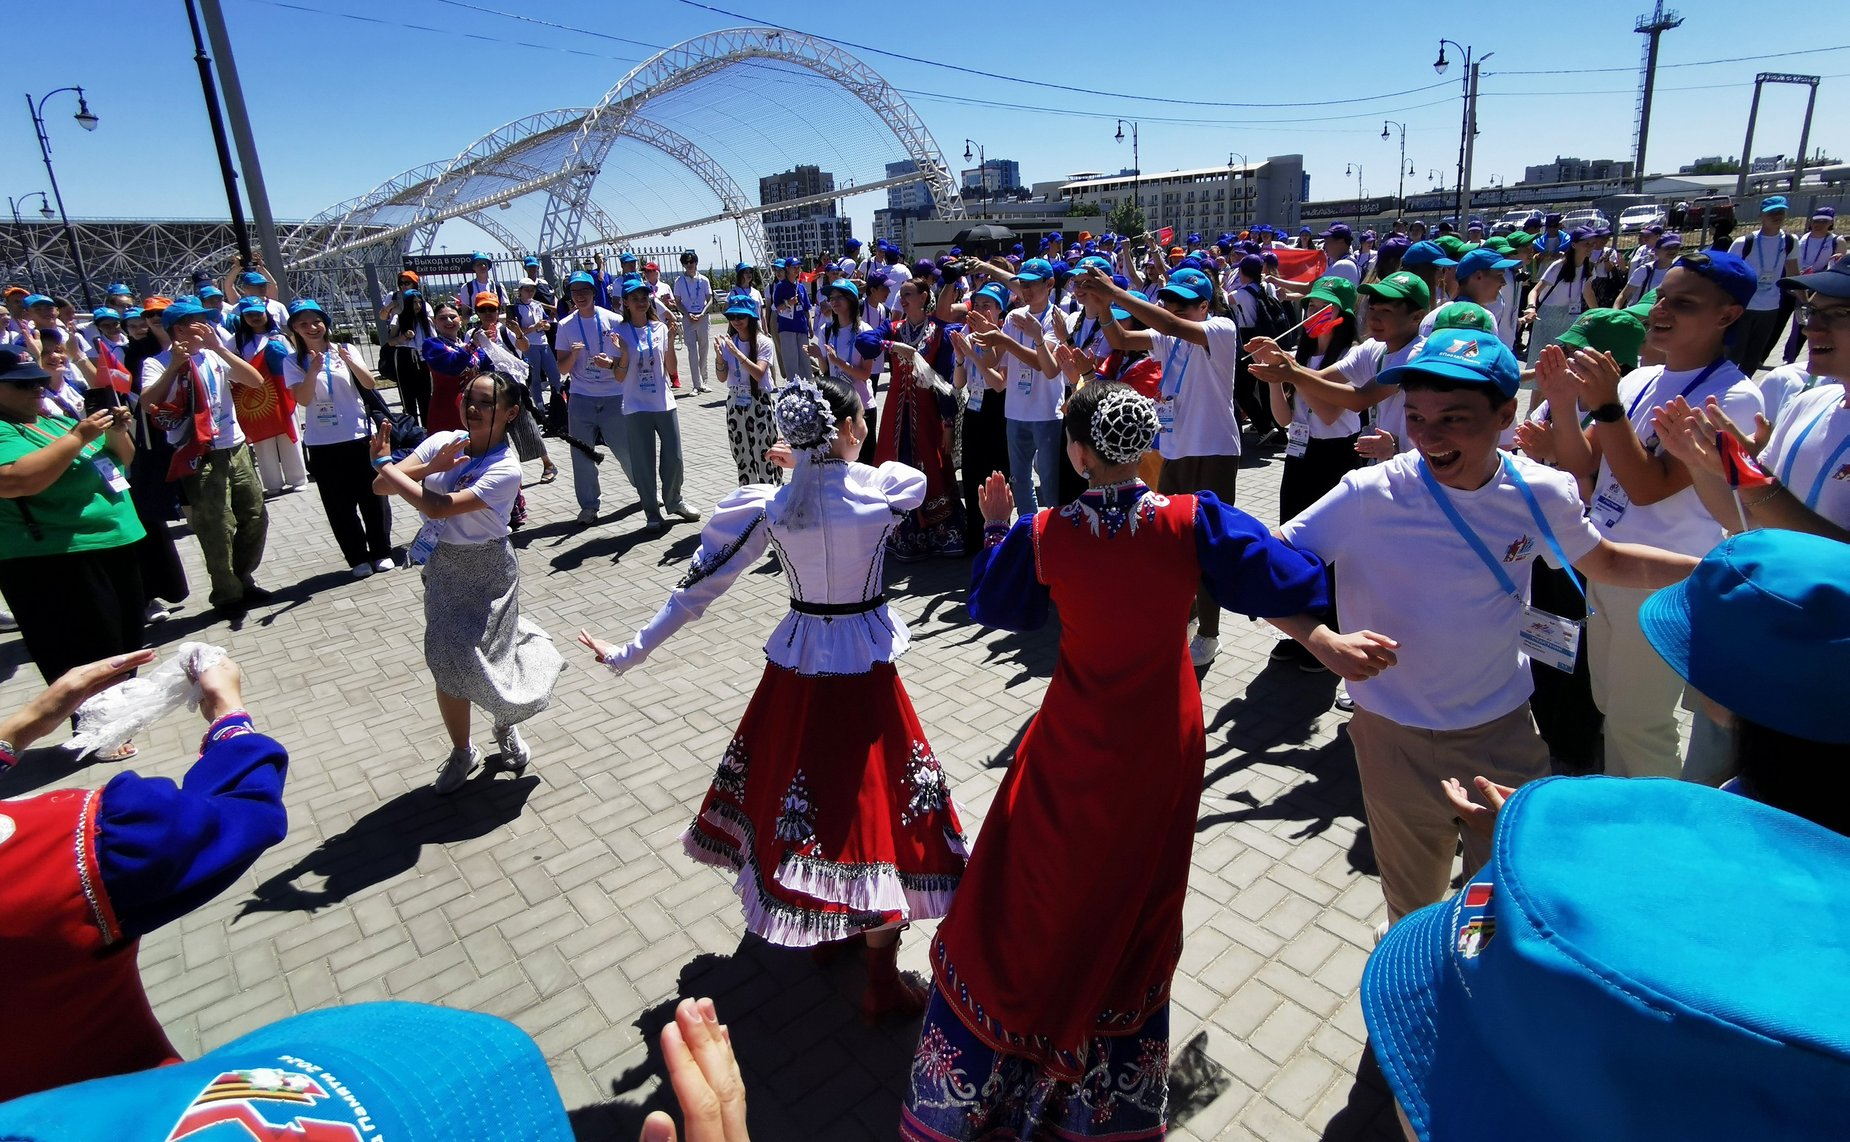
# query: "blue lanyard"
1170, 392
327, 367
1830, 465
595, 324
1687, 389
1477, 543
645, 341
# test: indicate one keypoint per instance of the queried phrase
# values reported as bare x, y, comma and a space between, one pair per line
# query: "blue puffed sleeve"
1251, 571
448, 360
165, 849
1005, 591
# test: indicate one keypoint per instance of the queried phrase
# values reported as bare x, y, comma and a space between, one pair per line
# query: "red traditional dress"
1052, 969
918, 429
829, 803
447, 360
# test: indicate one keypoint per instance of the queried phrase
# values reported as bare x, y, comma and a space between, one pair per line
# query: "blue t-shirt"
781, 294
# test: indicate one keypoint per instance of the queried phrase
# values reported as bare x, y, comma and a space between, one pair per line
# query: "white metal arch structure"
691, 61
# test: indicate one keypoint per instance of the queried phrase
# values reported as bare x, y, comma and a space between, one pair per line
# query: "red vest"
73, 1004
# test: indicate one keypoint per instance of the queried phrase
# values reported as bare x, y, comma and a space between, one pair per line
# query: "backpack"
1747, 244
1272, 316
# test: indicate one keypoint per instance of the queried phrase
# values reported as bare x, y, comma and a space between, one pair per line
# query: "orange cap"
412, 274
486, 300
1085, 235
15, 291
155, 304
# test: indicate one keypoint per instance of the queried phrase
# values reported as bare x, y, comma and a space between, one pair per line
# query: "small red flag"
1300, 265
1166, 235
109, 368
1743, 470
1324, 320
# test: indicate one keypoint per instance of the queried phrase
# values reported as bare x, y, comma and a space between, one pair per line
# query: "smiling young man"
1434, 548
1642, 494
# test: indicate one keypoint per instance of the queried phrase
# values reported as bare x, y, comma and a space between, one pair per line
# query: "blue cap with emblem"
1461, 355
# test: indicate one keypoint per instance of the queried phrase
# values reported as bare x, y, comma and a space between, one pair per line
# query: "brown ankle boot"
889, 993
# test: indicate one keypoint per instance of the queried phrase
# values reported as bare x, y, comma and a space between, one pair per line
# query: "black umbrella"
983, 233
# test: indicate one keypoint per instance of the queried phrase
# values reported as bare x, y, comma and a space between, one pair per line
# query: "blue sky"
341, 103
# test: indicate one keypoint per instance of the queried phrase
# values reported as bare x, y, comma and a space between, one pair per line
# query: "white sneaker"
7, 622
362, 570
384, 565
1202, 649
514, 752
456, 769
1381, 930
156, 613
587, 515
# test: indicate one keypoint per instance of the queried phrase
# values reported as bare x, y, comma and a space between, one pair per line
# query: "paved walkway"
562, 900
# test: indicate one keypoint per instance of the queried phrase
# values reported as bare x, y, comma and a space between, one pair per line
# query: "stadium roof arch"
667, 148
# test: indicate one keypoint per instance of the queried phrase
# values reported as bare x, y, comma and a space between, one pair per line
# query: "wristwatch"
1608, 412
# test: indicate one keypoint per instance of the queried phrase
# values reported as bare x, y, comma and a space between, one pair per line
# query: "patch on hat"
269, 1102
1475, 936
1461, 347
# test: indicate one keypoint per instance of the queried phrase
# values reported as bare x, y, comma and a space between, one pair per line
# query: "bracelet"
9, 757
381, 462
1772, 490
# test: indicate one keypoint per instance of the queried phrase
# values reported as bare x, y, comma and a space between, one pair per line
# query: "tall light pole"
982, 166
19, 228
1136, 166
722, 251
1440, 176
1400, 195
1245, 202
88, 122
1467, 134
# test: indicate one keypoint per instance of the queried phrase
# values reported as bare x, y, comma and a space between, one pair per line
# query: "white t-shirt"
1679, 523
738, 377
1347, 422
216, 378
1345, 268
842, 341
645, 373
1550, 291
1780, 385
1200, 378
1815, 254
598, 334
1644, 277
527, 314
1362, 364
1768, 259
495, 477
1034, 395
1814, 433
1417, 580
336, 413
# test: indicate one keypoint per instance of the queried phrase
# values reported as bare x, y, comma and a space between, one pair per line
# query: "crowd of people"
1509, 589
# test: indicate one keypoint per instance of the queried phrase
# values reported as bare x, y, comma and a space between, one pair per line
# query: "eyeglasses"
1836, 317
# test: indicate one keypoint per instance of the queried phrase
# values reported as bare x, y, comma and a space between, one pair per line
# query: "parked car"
1512, 221
1591, 219
1635, 218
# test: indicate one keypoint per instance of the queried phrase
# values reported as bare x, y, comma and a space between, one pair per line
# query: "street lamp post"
1467, 134
1400, 199
19, 228
1245, 201
1136, 166
1440, 177
88, 122
982, 166
1356, 170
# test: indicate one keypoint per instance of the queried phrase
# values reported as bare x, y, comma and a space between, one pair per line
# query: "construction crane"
1651, 27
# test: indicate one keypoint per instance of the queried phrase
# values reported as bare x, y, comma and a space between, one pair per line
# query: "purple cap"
1339, 230
1252, 265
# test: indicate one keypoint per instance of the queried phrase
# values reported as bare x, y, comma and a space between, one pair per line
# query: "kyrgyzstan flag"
1743, 470
1165, 236
109, 368
1300, 265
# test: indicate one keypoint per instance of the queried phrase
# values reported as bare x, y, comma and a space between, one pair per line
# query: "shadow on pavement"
51, 765
386, 842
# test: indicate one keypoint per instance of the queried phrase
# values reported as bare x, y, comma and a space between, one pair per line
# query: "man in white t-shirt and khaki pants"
1433, 549
1200, 427
1642, 494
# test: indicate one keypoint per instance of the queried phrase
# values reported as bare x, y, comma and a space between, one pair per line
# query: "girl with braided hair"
1050, 1016
828, 805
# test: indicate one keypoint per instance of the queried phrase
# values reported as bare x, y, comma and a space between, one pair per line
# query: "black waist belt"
857, 608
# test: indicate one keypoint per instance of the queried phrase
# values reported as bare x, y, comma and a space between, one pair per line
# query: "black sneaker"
255, 594
1286, 650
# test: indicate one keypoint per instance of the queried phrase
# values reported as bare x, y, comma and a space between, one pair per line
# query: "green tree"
1127, 218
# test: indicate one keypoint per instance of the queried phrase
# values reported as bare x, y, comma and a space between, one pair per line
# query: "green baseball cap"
1339, 292
1499, 244
1616, 331
1454, 246
1401, 286
1520, 240
1464, 315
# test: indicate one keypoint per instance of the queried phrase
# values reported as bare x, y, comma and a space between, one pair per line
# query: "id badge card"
1609, 506
111, 472
645, 384
1549, 639
1025, 384
425, 545
1297, 438
1166, 414
741, 398
326, 414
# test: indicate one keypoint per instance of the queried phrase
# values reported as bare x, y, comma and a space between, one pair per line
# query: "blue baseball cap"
479, 256
1426, 254
118, 289
32, 299
182, 310
1773, 204
252, 278
104, 313
207, 293
258, 305
1104, 264
1482, 258
1735, 277
1465, 355
743, 266
131, 311
580, 278
633, 283
852, 243
1831, 282
307, 305
1189, 285
1786, 594
844, 285
741, 306
996, 292
372, 1070
1638, 958
530, 262
1035, 270
626, 256
1338, 230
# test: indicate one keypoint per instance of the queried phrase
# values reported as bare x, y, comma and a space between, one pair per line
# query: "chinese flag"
1743, 470
109, 368
1300, 265
1166, 235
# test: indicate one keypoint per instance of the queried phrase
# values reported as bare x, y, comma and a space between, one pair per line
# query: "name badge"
1297, 438
425, 544
326, 414
1550, 639
111, 472
1166, 414
1609, 506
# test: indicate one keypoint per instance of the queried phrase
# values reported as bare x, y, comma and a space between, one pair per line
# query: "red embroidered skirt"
832, 810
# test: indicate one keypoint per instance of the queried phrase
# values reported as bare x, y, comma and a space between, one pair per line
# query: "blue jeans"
591, 420
542, 375
1034, 450
646, 429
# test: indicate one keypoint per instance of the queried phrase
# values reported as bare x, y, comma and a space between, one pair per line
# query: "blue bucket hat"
996, 292
1426, 254
33, 299
1035, 270
1189, 285
1480, 259
1786, 594
307, 305
371, 1070
1735, 277
741, 306
1638, 958
1465, 355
